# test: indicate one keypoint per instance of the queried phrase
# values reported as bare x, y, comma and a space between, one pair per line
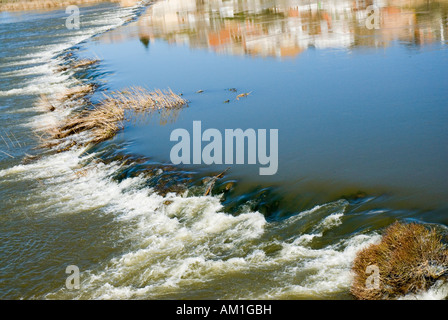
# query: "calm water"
362, 142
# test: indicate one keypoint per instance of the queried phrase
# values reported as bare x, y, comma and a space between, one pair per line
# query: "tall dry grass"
106, 118
410, 258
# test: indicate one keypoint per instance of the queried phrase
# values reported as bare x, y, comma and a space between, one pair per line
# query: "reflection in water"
286, 28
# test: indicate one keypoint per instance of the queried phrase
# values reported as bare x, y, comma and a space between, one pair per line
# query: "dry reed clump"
106, 118
410, 259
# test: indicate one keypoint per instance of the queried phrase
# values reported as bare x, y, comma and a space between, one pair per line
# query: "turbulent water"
110, 209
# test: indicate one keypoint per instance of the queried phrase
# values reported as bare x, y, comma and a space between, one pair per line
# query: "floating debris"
242, 95
212, 181
199, 91
233, 90
227, 101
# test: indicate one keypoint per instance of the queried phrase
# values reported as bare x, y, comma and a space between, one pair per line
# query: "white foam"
188, 241
49, 82
180, 241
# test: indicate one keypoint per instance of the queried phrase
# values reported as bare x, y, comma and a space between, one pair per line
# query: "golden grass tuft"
410, 259
106, 118
139, 99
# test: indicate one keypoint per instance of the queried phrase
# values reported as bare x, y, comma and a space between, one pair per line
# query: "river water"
361, 115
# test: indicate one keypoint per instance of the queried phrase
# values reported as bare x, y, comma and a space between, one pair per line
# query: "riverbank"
21, 5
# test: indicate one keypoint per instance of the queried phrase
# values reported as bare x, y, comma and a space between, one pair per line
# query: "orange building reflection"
286, 28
